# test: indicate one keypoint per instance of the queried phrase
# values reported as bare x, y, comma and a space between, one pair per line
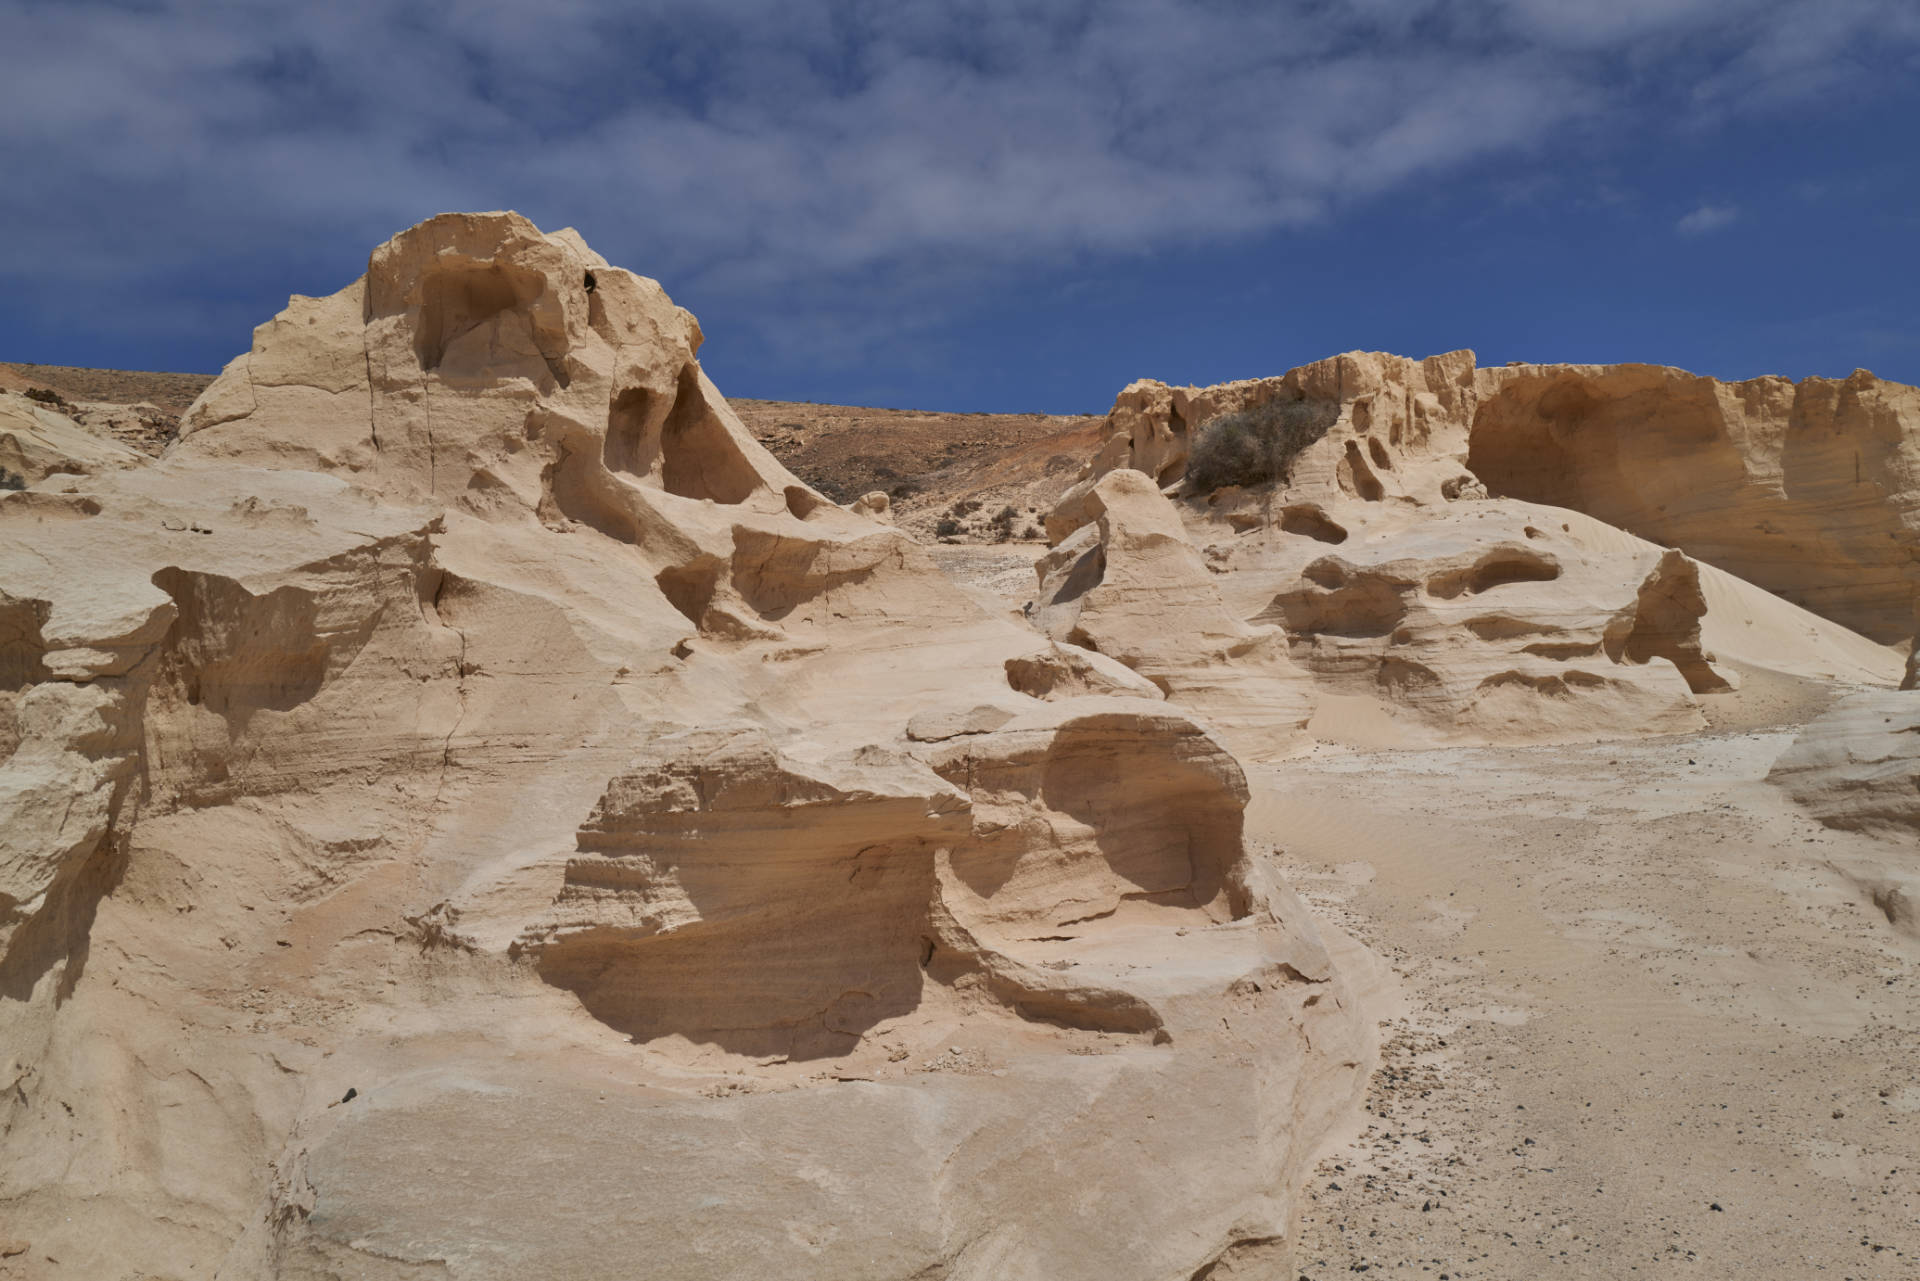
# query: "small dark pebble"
353, 1094
1715, 1206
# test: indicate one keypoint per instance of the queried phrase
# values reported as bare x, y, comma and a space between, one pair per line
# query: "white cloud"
1705, 219
749, 145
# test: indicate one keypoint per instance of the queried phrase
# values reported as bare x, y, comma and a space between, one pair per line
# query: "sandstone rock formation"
36, 442
1138, 592
1413, 564
468, 808
1810, 490
1857, 768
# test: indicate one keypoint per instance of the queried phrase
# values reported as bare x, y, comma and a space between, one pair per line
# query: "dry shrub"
1253, 446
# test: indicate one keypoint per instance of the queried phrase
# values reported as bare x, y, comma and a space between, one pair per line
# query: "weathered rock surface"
1858, 767
37, 442
468, 808
1810, 490
1403, 586
1131, 586
1068, 671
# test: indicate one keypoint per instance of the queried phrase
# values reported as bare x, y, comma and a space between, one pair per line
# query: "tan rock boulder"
1141, 594
1857, 768
875, 505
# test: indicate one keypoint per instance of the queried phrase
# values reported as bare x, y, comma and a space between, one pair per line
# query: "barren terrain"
478, 803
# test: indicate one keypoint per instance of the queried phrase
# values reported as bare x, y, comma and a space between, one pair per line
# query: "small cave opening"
633, 432
1515, 447
803, 502
1313, 523
1333, 602
457, 301
1497, 568
1358, 478
690, 587
699, 458
236, 653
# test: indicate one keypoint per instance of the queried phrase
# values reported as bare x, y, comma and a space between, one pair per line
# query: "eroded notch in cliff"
699, 458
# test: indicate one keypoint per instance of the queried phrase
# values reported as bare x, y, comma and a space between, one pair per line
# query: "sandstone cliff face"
1810, 490
466, 716
1534, 551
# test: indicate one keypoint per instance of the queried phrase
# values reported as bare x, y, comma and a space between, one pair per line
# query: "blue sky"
997, 204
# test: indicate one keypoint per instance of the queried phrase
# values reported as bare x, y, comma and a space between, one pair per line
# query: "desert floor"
1638, 1019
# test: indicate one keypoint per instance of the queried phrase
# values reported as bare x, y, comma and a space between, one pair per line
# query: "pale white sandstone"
37, 442
1858, 767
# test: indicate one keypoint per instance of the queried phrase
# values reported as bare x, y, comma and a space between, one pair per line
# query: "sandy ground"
1639, 1022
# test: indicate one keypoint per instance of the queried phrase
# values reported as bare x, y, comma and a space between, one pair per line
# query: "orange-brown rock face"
1810, 490
468, 808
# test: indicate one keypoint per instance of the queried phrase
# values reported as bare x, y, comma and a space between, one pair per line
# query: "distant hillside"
171, 393
964, 468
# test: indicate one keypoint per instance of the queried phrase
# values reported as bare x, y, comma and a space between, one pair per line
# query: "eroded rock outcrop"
1131, 586
466, 752
36, 442
1809, 490
1415, 558
1857, 768
1471, 630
